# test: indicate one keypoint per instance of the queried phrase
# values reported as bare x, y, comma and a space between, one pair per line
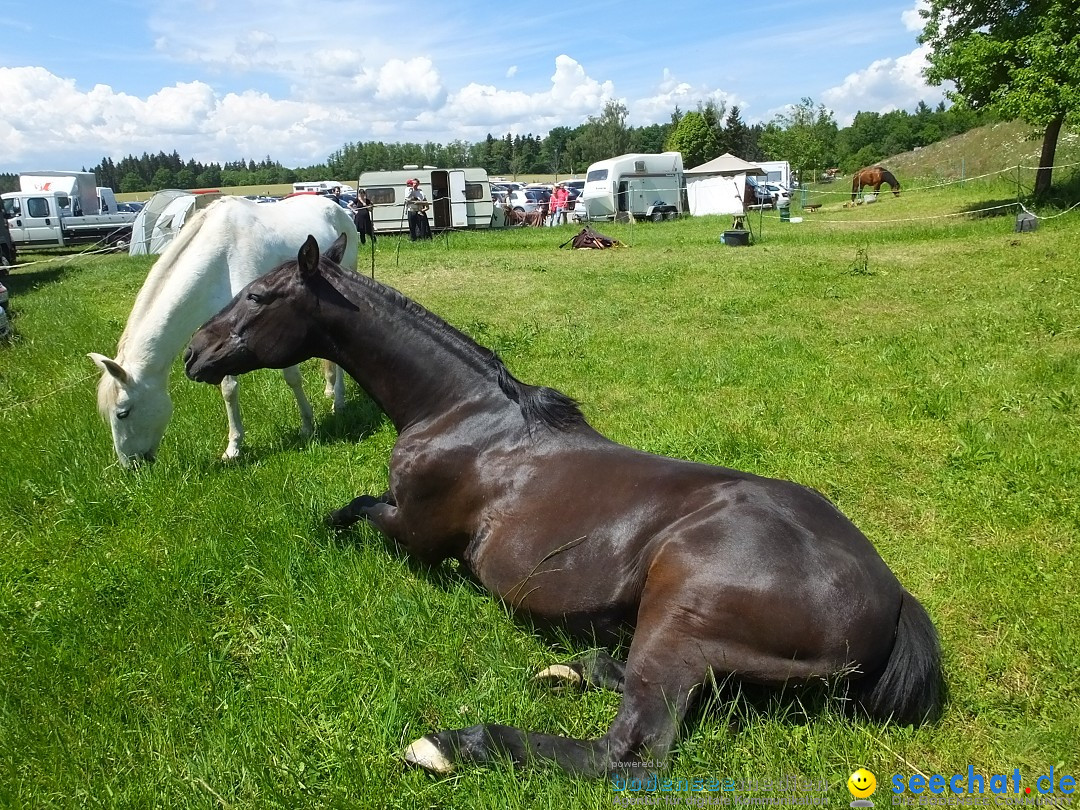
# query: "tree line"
807, 136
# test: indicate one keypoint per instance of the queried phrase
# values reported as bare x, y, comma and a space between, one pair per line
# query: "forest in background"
807, 136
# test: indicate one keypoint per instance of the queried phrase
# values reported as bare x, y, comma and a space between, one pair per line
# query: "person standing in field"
363, 208
558, 204
416, 205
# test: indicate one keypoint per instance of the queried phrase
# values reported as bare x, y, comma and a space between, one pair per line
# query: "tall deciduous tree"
695, 138
805, 136
606, 135
1019, 57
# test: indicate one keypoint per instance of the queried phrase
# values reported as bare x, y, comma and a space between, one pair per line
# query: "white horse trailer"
460, 198
635, 185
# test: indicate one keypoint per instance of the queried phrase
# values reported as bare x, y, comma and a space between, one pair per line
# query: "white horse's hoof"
423, 753
231, 454
559, 675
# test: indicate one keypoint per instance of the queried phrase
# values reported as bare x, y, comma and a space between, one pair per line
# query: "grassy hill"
987, 149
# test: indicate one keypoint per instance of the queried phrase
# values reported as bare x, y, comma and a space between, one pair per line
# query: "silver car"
527, 200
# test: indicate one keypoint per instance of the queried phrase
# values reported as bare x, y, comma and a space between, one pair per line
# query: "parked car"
757, 193
575, 186
499, 193
527, 200
131, 207
781, 197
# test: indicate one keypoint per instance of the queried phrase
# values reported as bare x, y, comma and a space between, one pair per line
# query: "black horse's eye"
123, 414
254, 298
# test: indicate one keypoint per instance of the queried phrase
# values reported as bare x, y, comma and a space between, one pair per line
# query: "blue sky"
220, 80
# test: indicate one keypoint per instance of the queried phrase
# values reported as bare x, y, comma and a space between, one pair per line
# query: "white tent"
163, 217
718, 187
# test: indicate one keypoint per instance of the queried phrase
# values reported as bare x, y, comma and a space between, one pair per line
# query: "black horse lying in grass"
716, 572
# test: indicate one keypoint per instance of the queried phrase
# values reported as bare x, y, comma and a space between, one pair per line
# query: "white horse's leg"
335, 384
295, 381
230, 392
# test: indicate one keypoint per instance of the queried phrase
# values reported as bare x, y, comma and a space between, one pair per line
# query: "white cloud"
911, 18
888, 84
671, 93
572, 96
51, 120
414, 80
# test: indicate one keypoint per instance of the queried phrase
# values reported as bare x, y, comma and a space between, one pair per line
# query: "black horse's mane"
538, 403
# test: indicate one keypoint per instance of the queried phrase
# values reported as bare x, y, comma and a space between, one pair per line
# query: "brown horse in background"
874, 176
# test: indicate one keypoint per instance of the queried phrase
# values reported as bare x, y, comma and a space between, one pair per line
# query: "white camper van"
635, 185
460, 198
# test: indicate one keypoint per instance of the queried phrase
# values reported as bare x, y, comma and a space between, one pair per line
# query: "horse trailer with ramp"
636, 185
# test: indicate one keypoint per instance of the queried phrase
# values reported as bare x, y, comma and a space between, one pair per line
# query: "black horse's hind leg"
659, 680
594, 670
365, 507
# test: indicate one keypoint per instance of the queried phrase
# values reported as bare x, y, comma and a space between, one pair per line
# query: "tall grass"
190, 635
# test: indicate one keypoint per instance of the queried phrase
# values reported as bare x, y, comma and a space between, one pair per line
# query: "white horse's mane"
108, 390
159, 273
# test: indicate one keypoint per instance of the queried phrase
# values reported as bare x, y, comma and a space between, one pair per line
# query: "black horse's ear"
308, 257
337, 250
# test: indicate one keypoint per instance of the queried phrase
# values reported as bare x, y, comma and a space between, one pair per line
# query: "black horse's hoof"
425, 753
340, 519
346, 516
560, 676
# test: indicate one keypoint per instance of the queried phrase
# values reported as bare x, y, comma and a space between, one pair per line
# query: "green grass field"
191, 636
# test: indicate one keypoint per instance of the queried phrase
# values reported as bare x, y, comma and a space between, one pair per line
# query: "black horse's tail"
910, 688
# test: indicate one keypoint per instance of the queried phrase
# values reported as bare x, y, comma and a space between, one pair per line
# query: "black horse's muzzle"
196, 369
210, 359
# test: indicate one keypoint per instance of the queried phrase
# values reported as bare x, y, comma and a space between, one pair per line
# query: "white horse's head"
137, 410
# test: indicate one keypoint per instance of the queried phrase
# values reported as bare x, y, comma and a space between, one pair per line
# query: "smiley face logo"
862, 784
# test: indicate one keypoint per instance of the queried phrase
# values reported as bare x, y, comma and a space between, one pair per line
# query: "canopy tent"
718, 187
163, 217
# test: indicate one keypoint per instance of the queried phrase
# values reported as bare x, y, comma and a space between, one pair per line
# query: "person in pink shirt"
558, 204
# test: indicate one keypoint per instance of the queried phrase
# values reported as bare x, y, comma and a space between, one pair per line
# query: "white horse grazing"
216, 254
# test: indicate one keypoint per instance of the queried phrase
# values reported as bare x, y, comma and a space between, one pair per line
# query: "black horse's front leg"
365, 507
